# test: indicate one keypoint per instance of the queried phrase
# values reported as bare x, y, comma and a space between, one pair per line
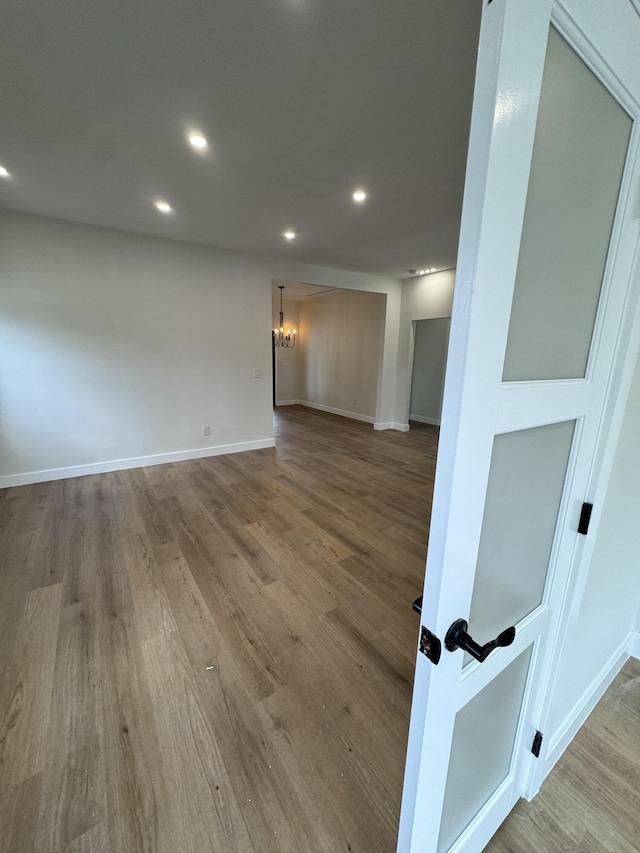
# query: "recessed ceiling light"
198, 142
289, 235
359, 195
3, 172
163, 206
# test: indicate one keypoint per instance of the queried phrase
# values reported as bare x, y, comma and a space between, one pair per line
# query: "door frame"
412, 347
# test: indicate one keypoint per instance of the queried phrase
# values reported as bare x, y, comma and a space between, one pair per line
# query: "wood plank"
25, 703
71, 799
200, 810
19, 815
95, 840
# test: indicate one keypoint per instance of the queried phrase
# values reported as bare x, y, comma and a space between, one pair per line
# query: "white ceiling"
297, 291
301, 100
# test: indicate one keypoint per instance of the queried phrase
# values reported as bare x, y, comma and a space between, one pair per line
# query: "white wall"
423, 298
116, 347
341, 335
605, 614
287, 359
429, 361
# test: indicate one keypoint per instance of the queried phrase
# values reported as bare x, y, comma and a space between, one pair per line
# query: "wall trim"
355, 416
380, 425
423, 419
287, 403
586, 703
9, 480
634, 645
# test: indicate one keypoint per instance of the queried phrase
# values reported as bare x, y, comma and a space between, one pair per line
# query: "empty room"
319, 405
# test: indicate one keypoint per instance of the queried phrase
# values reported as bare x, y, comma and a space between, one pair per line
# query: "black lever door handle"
457, 638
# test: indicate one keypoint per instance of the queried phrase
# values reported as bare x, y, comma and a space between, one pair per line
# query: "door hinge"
537, 743
585, 518
430, 645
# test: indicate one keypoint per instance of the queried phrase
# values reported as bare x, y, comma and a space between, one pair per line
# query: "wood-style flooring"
215, 655
590, 802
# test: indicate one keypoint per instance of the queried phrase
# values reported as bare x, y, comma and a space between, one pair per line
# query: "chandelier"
280, 337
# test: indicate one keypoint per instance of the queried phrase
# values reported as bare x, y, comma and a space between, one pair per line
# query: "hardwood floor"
590, 802
215, 655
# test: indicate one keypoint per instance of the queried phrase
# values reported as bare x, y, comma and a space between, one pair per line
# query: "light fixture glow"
280, 338
198, 142
163, 206
359, 195
3, 172
289, 235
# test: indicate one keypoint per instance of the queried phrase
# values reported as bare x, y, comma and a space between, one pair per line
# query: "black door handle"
457, 638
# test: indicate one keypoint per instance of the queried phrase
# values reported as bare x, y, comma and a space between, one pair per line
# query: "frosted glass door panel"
526, 480
483, 739
581, 141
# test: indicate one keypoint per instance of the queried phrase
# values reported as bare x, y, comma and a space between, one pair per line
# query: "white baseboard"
634, 645
422, 419
138, 462
585, 705
391, 425
355, 416
287, 402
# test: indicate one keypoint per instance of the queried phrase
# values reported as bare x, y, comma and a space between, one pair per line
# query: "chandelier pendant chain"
280, 337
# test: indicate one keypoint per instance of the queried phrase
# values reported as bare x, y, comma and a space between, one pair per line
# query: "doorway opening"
335, 365
431, 342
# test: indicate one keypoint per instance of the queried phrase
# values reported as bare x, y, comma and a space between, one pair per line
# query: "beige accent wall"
341, 337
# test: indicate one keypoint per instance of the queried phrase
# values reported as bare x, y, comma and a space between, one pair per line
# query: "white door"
539, 338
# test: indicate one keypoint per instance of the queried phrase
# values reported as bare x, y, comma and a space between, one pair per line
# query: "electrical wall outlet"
206, 430
257, 373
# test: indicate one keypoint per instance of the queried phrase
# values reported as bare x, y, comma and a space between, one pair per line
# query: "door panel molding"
478, 405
